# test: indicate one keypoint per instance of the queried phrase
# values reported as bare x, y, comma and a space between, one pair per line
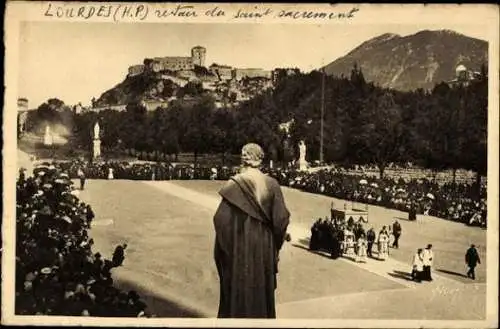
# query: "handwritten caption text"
141, 12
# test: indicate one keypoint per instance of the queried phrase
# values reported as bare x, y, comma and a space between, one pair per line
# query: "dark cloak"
250, 226
472, 257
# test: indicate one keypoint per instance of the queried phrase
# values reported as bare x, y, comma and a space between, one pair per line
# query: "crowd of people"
459, 202
57, 272
465, 203
349, 238
144, 170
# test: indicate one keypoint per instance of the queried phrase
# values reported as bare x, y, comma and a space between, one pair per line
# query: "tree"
111, 123
192, 88
133, 133
46, 114
197, 128
82, 131
476, 126
381, 130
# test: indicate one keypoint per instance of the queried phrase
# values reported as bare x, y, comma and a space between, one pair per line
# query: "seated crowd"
57, 272
458, 202
144, 171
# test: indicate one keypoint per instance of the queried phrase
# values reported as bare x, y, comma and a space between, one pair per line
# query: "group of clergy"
350, 238
422, 264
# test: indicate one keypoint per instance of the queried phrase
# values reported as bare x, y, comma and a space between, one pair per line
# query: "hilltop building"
182, 65
198, 54
222, 72
171, 63
239, 74
463, 76
229, 85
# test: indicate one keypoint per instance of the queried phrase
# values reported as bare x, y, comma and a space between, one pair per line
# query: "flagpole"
322, 114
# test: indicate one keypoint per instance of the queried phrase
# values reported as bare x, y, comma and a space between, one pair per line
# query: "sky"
77, 61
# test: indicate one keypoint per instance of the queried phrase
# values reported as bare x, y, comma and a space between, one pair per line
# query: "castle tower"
198, 55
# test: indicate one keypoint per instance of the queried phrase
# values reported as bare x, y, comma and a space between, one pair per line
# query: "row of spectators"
145, 171
460, 202
57, 273
464, 203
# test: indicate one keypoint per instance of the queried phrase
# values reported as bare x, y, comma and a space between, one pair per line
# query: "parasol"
363, 182
430, 196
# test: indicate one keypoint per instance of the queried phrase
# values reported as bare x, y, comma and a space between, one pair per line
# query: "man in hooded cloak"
250, 226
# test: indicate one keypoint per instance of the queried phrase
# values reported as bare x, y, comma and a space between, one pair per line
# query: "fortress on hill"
188, 63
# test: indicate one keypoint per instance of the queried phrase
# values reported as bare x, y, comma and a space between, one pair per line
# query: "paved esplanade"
168, 227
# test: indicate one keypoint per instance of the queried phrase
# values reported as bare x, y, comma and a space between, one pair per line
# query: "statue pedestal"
47, 140
96, 154
303, 165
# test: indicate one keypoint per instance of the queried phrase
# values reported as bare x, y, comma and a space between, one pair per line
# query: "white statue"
47, 138
97, 141
302, 156
96, 130
302, 151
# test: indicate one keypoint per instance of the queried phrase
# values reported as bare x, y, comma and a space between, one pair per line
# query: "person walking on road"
370, 239
472, 259
428, 256
383, 244
81, 176
418, 266
361, 249
396, 231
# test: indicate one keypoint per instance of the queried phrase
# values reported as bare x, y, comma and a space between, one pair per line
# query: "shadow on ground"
159, 306
401, 275
403, 218
319, 253
452, 273
304, 241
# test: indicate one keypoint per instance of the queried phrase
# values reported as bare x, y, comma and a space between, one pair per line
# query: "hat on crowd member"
63, 181
40, 170
252, 155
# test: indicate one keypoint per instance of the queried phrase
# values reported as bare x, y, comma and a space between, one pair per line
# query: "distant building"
239, 74
463, 76
198, 54
135, 70
171, 63
281, 73
222, 72
22, 113
78, 108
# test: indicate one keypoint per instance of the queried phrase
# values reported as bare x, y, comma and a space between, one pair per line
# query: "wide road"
168, 228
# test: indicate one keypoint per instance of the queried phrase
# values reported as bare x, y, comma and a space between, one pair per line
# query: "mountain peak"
420, 60
386, 36
380, 39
